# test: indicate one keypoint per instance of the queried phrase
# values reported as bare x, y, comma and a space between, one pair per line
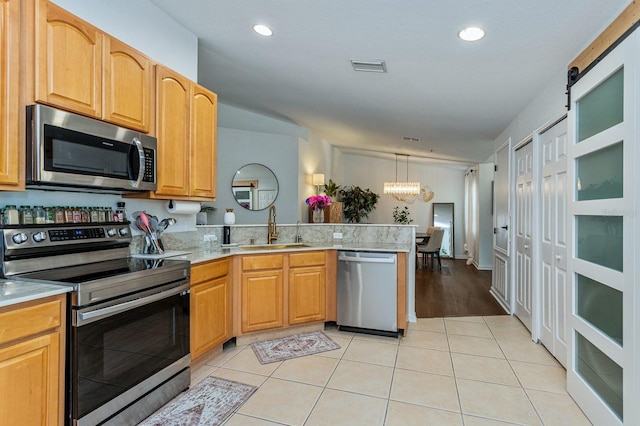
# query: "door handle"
526, 246
558, 257
506, 227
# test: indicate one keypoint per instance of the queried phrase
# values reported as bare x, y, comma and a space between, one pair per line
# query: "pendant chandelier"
402, 188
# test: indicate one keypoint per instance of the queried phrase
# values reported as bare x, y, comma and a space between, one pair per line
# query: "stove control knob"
20, 238
123, 231
39, 236
111, 232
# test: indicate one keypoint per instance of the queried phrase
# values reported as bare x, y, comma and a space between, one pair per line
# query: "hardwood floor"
456, 290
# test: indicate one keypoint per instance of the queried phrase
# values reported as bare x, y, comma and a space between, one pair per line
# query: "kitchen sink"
275, 246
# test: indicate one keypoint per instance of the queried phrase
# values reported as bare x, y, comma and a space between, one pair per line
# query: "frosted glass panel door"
601, 267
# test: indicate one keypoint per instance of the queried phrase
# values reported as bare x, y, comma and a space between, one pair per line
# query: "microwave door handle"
141, 159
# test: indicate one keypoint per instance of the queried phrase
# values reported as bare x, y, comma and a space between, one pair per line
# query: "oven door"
122, 351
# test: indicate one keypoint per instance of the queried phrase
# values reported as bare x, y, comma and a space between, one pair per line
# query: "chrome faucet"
272, 231
298, 236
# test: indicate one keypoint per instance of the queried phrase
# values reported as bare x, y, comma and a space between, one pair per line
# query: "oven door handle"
84, 317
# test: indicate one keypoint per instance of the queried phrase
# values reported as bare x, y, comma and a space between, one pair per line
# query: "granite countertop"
197, 255
13, 291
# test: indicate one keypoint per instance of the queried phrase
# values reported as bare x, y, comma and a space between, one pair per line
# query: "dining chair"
432, 248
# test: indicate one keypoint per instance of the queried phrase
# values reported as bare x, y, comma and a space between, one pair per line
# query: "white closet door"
523, 233
553, 230
501, 283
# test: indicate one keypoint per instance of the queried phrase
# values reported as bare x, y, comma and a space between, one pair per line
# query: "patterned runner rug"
208, 403
293, 347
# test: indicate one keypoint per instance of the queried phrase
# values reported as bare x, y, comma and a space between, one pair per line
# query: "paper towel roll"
182, 207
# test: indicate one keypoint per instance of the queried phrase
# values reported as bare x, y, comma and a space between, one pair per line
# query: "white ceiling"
457, 97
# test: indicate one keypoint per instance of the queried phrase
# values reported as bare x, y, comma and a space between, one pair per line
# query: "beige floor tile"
242, 420
371, 352
359, 377
428, 324
247, 361
426, 340
401, 414
313, 370
498, 402
484, 369
344, 408
343, 341
474, 329
557, 409
239, 376
503, 320
429, 390
226, 355
282, 401
475, 346
200, 373
547, 378
509, 332
479, 320
527, 352
481, 421
425, 360
377, 339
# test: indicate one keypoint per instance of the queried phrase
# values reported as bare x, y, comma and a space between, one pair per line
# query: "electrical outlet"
210, 237
337, 235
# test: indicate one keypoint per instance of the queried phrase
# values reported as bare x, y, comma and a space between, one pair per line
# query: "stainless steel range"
128, 336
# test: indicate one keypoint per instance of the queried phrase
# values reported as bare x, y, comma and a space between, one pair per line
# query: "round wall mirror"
254, 186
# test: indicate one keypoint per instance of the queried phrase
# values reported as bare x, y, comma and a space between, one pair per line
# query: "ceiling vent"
369, 66
410, 139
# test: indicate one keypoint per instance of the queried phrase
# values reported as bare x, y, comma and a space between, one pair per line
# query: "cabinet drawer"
267, 261
308, 258
208, 271
23, 322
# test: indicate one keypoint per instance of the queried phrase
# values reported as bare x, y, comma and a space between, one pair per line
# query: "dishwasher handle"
367, 259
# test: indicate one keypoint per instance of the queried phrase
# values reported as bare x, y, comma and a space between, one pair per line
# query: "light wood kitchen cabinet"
186, 131
11, 146
32, 362
261, 298
81, 69
307, 287
211, 306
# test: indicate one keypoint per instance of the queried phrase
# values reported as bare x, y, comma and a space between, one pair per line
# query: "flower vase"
318, 216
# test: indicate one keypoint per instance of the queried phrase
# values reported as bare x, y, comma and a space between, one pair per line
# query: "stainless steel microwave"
67, 151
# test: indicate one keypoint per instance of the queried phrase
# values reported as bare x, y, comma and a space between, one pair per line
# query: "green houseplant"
357, 203
331, 189
401, 217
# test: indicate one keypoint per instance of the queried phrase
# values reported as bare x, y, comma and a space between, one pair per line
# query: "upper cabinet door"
172, 110
10, 147
128, 83
204, 107
68, 61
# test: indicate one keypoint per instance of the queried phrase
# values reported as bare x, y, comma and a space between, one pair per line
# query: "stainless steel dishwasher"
367, 292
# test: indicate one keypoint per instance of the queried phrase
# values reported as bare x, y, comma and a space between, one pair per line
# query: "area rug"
209, 403
293, 346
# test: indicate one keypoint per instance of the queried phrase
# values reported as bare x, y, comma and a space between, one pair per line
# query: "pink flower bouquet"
318, 202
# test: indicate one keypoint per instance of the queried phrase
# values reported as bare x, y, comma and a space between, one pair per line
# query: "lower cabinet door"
30, 382
261, 300
209, 315
307, 291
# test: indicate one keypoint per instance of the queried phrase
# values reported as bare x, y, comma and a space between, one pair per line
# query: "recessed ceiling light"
471, 34
263, 30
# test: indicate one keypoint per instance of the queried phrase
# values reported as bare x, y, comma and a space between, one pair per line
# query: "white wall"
446, 182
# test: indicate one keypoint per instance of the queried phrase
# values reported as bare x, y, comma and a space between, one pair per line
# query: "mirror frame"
451, 228
233, 179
